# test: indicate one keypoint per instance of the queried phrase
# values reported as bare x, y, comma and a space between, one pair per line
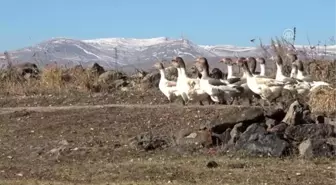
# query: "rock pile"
264, 133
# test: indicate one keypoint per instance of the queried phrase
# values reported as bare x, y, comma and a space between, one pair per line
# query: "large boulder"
303, 132
153, 79
256, 141
234, 115
311, 148
294, 115
110, 76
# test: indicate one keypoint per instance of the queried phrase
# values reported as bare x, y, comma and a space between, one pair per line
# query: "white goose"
246, 92
215, 88
294, 70
188, 87
301, 87
262, 64
268, 89
279, 74
168, 88
230, 79
301, 75
253, 65
229, 64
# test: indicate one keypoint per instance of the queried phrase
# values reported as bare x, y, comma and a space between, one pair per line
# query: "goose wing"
258, 76
269, 82
227, 88
241, 82
233, 80
170, 83
256, 73
274, 83
215, 82
307, 78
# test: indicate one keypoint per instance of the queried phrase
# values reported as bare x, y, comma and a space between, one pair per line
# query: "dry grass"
322, 100
51, 81
162, 169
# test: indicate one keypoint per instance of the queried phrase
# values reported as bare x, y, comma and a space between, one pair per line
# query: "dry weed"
51, 81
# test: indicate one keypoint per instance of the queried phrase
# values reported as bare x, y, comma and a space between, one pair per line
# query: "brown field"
97, 150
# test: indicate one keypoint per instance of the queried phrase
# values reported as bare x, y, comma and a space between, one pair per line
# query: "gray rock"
222, 139
331, 121
148, 141
271, 123
278, 129
275, 114
153, 79
119, 83
318, 148
235, 115
235, 133
303, 132
294, 115
191, 137
256, 141
109, 76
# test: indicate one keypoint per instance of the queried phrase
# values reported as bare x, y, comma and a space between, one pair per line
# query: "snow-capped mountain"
114, 52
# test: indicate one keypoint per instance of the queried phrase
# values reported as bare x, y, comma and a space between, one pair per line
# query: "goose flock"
213, 88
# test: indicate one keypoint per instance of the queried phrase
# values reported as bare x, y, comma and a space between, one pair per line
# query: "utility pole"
116, 58
8, 58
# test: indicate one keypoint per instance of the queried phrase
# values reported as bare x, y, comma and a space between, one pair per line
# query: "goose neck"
247, 71
300, 73
204, 74
183, 72
230, 73
279, 70
262, 70
162, 73
293, 73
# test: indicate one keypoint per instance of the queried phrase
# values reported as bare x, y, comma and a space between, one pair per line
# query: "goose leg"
222, 101
183, 102
234, 99
210, 102
201, 103
250, 101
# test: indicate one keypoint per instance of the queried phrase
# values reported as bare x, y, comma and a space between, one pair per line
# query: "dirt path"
8, 110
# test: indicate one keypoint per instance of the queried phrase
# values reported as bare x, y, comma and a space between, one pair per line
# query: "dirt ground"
152, 96
92, 146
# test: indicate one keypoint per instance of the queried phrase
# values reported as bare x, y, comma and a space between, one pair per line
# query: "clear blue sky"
26, 22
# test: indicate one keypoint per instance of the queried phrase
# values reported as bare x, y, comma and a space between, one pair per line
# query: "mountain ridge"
121, 52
